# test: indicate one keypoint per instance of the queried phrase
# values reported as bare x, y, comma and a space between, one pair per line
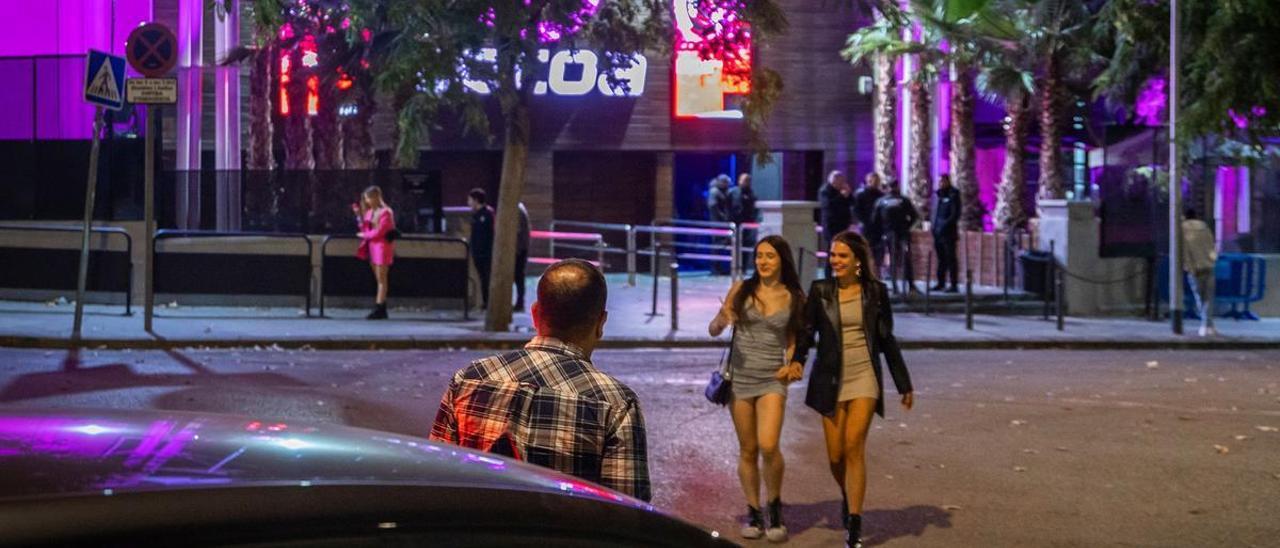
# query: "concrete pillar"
1095, 286
187, 136
227, 120
792, 220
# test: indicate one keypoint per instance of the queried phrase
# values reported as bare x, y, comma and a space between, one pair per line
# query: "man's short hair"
478, 195
571, 297
831, 177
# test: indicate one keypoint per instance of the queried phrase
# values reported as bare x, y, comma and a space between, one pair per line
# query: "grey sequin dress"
759, 349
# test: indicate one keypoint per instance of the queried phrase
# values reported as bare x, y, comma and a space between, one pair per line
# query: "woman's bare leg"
744, 423
859, 416
770, 409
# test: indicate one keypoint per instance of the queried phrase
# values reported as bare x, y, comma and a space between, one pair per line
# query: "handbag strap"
733, 338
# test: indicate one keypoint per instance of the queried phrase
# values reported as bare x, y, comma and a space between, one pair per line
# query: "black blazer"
822, 318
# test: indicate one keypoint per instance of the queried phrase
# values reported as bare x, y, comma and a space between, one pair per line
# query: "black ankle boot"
379, 312
754, 528
853, 531
844, 511
777, 531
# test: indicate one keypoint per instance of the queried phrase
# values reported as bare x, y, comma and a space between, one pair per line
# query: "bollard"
1057, 293
800, 264
928, 283
1048, 282
735, 247
631, 256
675, 294
600, 254
968, 299
653, 267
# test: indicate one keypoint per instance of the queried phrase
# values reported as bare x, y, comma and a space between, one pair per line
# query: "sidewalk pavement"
48, 325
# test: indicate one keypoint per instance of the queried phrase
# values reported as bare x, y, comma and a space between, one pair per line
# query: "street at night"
1003, 448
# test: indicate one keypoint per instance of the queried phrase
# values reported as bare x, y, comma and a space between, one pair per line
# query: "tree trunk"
326, 138
1010, 211
297, 126
515, 159
963, 158
260, 94
884, 117
921, 188
1052, 184
357, 140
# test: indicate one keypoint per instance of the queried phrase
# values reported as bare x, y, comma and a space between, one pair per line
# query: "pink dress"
373, 235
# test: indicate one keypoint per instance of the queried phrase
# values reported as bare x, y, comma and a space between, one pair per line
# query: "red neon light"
284, 83
313, 95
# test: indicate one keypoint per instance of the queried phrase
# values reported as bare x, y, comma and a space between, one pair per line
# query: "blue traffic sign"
104, 80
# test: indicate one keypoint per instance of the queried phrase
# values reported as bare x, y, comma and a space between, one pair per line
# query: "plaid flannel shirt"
549, 406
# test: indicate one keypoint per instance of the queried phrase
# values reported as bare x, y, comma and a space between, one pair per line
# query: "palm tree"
882, 42
1058, 32
1007, 78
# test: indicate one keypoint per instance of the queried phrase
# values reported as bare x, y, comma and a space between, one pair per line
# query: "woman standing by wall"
377, 224
851, 315
765, 311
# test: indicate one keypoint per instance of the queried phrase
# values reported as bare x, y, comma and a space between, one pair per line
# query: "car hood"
68, 452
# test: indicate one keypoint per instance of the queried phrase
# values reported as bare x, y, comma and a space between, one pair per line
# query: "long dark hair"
790, 280
861, 250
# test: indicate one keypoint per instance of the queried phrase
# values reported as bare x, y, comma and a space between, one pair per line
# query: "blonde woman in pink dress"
376, 221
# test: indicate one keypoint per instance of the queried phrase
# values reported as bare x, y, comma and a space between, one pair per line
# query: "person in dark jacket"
852, 318
864, 205
895, 216
720, 210
945, 226
835, 206
742, 201
522, 253
481, 239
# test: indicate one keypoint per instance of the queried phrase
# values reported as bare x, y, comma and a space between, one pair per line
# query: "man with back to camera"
896, 215
720, 210
864, 205
548, 404
481, 239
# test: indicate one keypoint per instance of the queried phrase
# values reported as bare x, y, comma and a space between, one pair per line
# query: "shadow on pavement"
879, 526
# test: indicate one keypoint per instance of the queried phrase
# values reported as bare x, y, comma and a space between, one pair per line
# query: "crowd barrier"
55, 269
421, 270
216, 271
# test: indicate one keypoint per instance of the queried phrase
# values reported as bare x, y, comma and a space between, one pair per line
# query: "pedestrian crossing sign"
104, 80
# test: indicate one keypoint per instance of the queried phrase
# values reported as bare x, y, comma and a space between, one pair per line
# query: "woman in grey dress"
765, 311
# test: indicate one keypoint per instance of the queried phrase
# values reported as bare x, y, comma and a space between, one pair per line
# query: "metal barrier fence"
248, 274
424, 277
604, 229
596, 239
55, 269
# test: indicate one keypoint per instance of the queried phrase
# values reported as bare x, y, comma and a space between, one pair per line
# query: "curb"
502, 342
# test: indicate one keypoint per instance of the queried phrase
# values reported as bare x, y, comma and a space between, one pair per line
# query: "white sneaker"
776, 534
754, 528
1209, 331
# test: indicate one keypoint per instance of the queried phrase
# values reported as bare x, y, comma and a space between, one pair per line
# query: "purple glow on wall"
55, 108
1151, 103
989, 163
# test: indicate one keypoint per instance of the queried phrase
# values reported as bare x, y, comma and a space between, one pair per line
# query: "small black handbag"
393, 235
720, 388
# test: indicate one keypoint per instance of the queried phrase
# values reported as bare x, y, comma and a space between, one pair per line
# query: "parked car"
122, 478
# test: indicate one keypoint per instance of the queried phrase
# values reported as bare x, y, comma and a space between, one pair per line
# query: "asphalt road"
1004, 448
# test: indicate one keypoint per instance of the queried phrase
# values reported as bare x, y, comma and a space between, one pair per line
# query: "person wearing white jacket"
1199, 255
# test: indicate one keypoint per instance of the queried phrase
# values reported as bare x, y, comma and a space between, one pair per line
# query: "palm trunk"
297, 126
1052, 184
884, 117
921, 187
326, 139
357, 141
1010, 211
260, 93
963, 158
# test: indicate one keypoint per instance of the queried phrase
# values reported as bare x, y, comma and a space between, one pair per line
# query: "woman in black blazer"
851, 315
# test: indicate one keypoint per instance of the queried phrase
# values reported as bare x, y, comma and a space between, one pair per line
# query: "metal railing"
465, 257
108, 230
655, 230
168, 234
629, 248
596, 239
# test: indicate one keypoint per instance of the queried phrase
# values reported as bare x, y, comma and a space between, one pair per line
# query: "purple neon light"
1152, 100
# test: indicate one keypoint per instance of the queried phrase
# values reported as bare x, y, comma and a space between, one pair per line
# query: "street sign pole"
86, 229
1175, 180
149, 216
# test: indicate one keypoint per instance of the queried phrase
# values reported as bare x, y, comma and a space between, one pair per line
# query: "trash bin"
1035, 266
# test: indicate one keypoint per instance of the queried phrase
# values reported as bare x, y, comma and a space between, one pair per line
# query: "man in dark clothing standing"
742, 201
481, 239
720, 210
864, 204
835, 207
895, 215
522, 254
945, 226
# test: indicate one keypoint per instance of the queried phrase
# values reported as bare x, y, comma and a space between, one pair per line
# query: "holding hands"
790, 373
